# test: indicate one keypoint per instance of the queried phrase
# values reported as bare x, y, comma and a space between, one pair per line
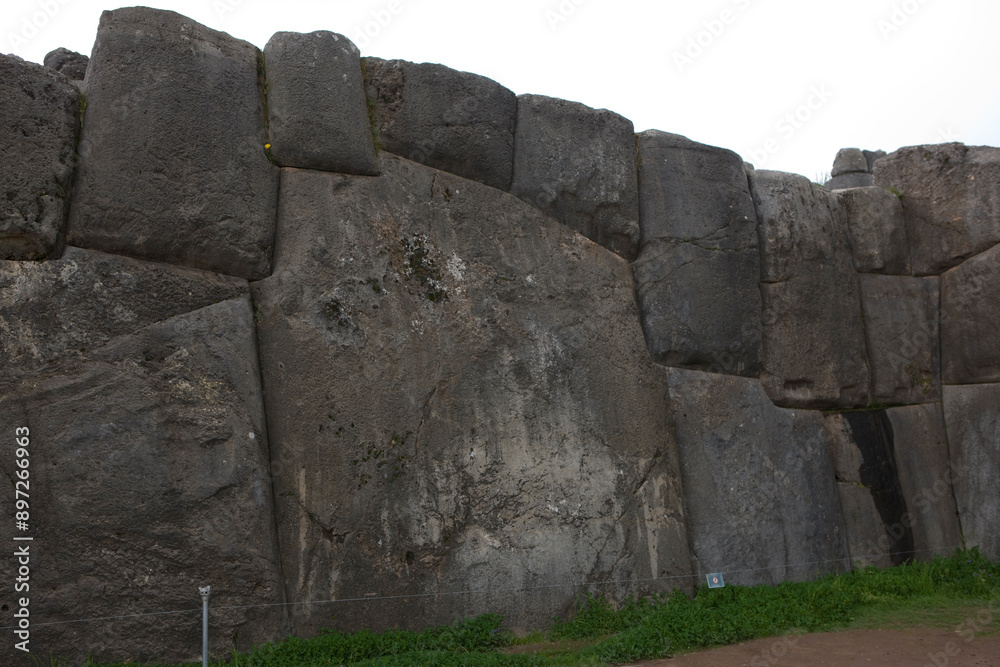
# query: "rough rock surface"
758, 482
577, 164
926, 476
39, 111
149, 456
851, 180
973, 424
950, 200
70, 64
849, 160
970, 320
901, 335
867, 539
172, 160
809, 291
317, 111
438, 418
456, 121
698, 271
878, 231
872, 157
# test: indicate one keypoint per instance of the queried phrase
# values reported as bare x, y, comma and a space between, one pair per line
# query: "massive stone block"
71, 64
970, 320
458, 399
698, 271
972, 419
848, 161
173, 166
878, 231
850, 180
813, 349
901, 334
39, 112
456, 121
148, 458
926, 476
951, 201
759, 483
577, 164
317, 111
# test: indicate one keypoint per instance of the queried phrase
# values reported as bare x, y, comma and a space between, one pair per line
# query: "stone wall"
312, 327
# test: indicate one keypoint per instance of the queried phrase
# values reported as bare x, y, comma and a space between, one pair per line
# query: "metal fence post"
205, 592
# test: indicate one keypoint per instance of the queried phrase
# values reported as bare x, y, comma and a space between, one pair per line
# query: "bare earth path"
931, 647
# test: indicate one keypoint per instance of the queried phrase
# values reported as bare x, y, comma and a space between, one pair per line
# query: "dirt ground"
931, 647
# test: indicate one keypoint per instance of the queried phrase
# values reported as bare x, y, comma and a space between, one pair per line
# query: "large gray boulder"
39, 111
149, 468
455, 121
759, 486
848, 161
868, 540
951, 201
577, 165
850, 180
70, 64
878, 230
970, 320
317, 111
972, 419
926, 476
173, 166
813, 348
901, 335
438, 417
698, 271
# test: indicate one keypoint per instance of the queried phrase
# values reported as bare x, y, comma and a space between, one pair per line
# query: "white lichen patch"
456, 267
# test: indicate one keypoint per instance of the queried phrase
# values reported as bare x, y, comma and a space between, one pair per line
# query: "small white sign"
715, 580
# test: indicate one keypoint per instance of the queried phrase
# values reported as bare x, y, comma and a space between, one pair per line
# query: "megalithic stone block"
759, 482
173, 166
970, 320
972, 420
71, 64
698, 271
39, 111
951, 201
849, 161
437, 416
878, 231
577, 165
901, 334
455, 121
317, 112
813, 340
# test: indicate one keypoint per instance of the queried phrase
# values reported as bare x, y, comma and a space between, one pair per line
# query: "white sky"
877, 73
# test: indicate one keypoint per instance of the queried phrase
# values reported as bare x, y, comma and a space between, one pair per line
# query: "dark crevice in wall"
873, 436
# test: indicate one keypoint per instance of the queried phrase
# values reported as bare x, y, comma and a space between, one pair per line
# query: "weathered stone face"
970, 320
577, 165
456, 121
926, 476
973, 425
317, 112
849, 160
877, 231
438, 416
70, 64
698, 271
172, 160
901, 335
148, 456
39, 112
813, 346
758, 482
950, 200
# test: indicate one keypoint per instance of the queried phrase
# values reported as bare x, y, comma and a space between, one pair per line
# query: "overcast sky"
783, 83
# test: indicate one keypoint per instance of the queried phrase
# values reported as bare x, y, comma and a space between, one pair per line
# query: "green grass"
943, 593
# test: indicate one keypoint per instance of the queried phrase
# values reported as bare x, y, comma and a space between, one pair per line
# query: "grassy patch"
947, 592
